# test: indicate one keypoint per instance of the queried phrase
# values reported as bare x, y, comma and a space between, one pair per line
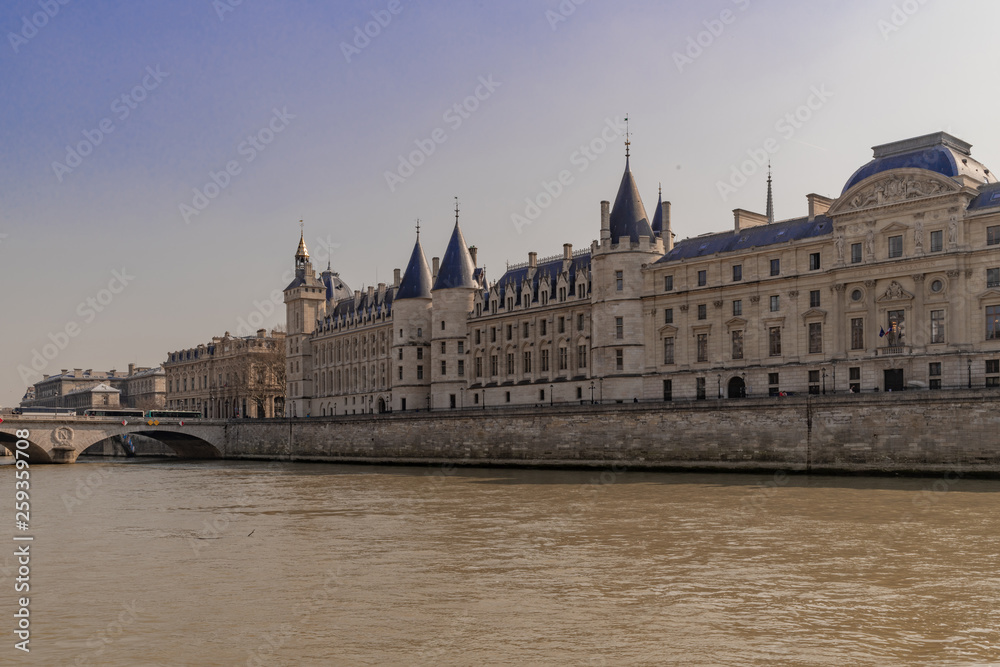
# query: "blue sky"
346, 112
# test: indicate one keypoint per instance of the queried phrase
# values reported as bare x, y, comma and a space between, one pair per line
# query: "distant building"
229, 377
141, 387
97, 396
892, 285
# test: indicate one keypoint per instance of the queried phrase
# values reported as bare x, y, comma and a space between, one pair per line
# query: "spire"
627, 142
456, 268
770, 201
628, 215
657, 225
416, 282
302, 253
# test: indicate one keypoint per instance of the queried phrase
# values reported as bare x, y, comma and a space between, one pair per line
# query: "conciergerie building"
893, 285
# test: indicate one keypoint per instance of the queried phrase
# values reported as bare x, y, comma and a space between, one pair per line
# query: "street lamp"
720, 385
824, 381
461, 398
591, 392
552, 388
970, 373
484, 399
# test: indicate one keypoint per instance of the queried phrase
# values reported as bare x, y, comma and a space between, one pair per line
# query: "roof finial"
661, 190
770, 201
418, 228
627, 142
456, 211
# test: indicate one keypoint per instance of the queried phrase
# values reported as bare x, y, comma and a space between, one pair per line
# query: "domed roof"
336, 289
940, 152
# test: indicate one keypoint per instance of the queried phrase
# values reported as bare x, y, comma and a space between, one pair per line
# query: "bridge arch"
36, 453
185, 445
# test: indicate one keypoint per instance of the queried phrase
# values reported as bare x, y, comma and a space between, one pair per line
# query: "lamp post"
824, 380
600, 382
720, 385
484, 399
461, 398
970, 372
552, 388
834, 390
591, 392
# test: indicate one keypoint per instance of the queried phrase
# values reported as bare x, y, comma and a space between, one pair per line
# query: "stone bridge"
61, 440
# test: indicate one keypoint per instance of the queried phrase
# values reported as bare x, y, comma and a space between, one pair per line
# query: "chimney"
381, 289
745, 219
474, 251
131, 369
64, 371
261, 333
395, 277
818, 205
77, 372
605, 221
667, 234
532, 260
435, 263
371, 293
568, 252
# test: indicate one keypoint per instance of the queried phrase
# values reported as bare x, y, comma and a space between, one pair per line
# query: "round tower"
411, 335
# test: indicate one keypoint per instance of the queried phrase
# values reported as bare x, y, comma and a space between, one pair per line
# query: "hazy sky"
115, 113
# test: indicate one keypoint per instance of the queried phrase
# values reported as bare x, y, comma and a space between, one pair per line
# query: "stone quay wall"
913, 432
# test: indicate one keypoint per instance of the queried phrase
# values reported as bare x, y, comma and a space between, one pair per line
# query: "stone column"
919, 332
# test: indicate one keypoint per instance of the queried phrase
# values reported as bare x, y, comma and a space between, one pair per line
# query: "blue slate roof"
456, 268
548, 270
628, 215
657, 225
754, 237
988, 197
416, 282
938, 159
335, 287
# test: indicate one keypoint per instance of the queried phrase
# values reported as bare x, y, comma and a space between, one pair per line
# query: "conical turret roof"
657, 225
628, 215
416, 282
302, 253
456, 266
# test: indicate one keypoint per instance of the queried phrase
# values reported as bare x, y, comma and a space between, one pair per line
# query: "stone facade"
893, 285
141, 387
230, 377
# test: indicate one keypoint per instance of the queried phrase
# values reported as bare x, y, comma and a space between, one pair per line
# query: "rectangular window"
620, 359
992, 322
545, 361
619, 280
814, 261
993, 277
937, 241
461, 347
581, 356
855, 253
400, 372
420, 372
444, 348
814, 298
479, 367
857, 333
774, 341
507, 396
737, 307
738, 344
668, 350
992, 366
813, 382
815, 338
668, 390
527, 363
854, 375
993, 235
619, 328
420, 353
895, 246
702, 311
493, 334
702, 278
937, 326
775, 267
444, 367
668, 315
400, 354
494, 365
772, 384
478, 339
562, 325
699, 385
702, 347
580, 322
934, 368
510, 363
668, 283
510, 331
525, 332
894, 330
543, 327
737, 272
461, 368
563, 358
775, 304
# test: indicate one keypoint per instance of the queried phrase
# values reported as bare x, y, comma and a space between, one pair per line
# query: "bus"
173, 414
119, 413
35, 411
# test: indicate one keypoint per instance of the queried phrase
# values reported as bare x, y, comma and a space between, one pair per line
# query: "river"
164, 562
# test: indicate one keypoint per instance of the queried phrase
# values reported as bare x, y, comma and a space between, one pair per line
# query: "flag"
881, 332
